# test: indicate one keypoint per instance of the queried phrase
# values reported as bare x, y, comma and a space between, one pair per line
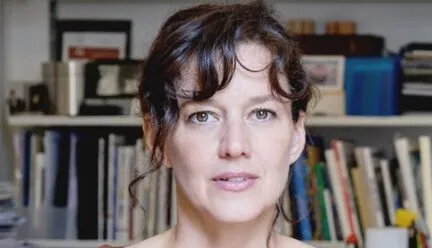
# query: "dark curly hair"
208, 36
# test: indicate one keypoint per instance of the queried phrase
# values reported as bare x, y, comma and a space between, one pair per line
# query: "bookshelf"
337, 123
274, 1
93, 244
132, 121
46, 122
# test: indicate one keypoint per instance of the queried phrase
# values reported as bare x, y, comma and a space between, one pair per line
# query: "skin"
241, 128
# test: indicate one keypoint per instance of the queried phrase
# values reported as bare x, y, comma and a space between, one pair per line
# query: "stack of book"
9, 219
417, 78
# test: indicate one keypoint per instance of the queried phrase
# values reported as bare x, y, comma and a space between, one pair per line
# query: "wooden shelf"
95, 244
130, 121
272, 1
46, 121
52, 243
371, 121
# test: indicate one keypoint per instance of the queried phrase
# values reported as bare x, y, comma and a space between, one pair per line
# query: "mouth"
235, 182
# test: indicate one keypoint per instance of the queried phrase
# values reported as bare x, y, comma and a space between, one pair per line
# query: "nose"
234, 141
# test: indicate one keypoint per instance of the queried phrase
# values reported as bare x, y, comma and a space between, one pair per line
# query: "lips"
234, 177
235, 182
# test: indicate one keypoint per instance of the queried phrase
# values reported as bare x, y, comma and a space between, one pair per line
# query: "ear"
299, 138
148, 132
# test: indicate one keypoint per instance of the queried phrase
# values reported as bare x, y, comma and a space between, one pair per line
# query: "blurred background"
70, 137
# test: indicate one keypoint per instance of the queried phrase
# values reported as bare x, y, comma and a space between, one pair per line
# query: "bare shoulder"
157, 241
286, 241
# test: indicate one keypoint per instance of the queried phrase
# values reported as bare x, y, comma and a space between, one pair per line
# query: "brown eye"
261, 114
202, 116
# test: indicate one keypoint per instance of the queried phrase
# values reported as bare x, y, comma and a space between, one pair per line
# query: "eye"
264, 114
202, 117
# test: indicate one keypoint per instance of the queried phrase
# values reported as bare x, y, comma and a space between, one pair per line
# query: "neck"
199, 229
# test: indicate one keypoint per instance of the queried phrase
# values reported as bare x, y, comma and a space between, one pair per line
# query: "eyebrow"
252, 100
260, 99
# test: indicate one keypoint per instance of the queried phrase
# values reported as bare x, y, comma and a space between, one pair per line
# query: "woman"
224, 98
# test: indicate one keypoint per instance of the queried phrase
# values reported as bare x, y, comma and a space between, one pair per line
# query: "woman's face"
231, 154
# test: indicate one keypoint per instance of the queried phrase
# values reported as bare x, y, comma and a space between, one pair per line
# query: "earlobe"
166, 161
148, 132
299, 139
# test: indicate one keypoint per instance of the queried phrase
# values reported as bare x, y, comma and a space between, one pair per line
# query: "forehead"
251, 72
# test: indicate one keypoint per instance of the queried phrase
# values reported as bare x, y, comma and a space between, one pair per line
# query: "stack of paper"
9, 220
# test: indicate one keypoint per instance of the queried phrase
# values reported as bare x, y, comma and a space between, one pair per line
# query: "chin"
236, 211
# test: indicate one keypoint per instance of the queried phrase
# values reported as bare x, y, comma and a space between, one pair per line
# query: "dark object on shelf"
416, 104
346, 45
89, 110
39, 100
16, 97
420, 50
15, 104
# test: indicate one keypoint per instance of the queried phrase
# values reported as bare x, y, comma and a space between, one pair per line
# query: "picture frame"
325, 72
89, 39
112, 79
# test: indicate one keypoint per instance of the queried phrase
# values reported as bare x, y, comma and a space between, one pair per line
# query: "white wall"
24, 44
398, 22
27, 24
4, 168
26, 38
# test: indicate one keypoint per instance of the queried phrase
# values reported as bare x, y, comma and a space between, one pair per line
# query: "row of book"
352, 188
74, 185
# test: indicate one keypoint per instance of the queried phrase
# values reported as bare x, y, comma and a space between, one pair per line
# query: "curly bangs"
209, 34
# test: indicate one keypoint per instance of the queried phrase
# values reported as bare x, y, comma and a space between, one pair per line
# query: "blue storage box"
372, 86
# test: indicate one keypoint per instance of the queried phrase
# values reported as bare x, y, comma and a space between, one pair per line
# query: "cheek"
272, 149
188, 155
